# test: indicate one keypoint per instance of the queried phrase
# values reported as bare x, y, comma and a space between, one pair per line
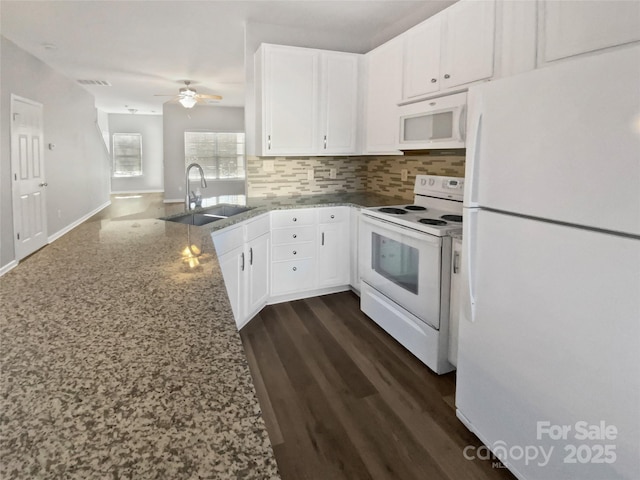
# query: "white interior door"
27, 170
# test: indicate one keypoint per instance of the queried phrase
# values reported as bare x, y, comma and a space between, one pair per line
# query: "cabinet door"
571, 28
232, 265
468, 47
290, 113
339, 103
333, 254
422, 59
384, 91
516, 29
258, 274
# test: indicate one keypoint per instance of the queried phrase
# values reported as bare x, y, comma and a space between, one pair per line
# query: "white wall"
78, 169
178, 120
150, 127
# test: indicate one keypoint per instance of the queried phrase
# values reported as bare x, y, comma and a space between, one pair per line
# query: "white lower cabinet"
309, 251
293, 250
243, 254
282, 255
233, 274
257, 275
333, 247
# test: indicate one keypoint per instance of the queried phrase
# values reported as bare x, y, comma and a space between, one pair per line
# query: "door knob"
44, 184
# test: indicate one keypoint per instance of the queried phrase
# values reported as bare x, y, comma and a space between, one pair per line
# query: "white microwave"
433, 124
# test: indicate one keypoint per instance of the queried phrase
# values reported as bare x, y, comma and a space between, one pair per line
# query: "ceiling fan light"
188, 101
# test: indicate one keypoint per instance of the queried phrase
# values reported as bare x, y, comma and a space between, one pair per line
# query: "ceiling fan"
188, 97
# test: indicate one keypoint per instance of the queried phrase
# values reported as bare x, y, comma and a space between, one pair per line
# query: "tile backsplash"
268, 177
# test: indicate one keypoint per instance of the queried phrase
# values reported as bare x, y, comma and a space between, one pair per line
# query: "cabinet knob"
43, 184
295, 219
295, 236
295, 268
434, 80
333, 216
295, 253
446, 75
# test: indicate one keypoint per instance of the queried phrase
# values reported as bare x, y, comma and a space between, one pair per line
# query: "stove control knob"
432, 181
423, 182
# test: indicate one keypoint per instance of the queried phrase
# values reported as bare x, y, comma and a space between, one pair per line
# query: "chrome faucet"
203, 182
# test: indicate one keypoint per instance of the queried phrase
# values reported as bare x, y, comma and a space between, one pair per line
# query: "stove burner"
415, 207
432, 221
395, 211
452, 218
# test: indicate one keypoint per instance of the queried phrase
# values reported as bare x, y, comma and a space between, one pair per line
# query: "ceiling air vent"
98, 83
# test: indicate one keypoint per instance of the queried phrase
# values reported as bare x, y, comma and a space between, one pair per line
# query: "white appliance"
405, 253
433, 124
549, 340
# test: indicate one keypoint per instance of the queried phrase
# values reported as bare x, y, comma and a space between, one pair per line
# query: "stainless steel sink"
208, 215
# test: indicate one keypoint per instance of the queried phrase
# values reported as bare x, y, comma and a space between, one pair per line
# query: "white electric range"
405, 258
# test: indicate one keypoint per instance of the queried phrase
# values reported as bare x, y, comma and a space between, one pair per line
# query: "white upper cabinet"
516, 27
307, 101
339, 102
422, 59
450, 49
288, 91
468, 45
571, 28
384, 91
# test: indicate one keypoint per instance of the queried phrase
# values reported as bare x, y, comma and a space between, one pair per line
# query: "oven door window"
397, 262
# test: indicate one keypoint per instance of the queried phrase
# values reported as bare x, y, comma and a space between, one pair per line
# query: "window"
221, 155
127, 154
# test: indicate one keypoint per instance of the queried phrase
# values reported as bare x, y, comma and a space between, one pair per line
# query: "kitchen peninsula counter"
119, 360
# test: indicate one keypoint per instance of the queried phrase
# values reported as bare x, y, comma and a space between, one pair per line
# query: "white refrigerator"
549, 342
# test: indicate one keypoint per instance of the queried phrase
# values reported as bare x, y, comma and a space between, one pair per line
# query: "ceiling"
149, 47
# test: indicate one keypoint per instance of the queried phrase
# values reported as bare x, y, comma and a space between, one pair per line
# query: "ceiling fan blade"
211, 97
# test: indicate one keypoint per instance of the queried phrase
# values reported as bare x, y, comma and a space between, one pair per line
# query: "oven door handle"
393, 228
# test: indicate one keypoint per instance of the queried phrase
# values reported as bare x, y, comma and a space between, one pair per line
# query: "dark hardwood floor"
342, 400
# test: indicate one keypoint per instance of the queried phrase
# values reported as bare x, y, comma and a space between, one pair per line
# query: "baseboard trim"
129, 192
73, 225
9, 266
173, 200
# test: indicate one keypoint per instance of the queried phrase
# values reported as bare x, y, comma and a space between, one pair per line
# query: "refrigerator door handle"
469, 241
474, 123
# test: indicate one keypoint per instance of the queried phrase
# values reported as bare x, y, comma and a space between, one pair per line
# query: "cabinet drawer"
294, 276
293, 217
333, 214
281, 236
293, 252
226, 240
258, 226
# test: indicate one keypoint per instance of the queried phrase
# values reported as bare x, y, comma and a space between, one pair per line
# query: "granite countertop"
260, 205
119, 360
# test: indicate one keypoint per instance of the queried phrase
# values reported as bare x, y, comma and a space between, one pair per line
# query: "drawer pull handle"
242, 266
295, 268
295, 253
295, 219
333, 216
295, 236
